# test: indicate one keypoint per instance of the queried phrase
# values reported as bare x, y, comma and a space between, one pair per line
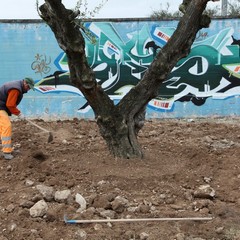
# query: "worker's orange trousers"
5, 132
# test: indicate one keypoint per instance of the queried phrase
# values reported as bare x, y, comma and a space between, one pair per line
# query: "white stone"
47, 192
62, 196
39, 209
81, 201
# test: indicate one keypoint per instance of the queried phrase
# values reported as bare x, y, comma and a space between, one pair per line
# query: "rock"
98, 227
119, 204
207, 179
23, 212
88, 213
80, 235
208, 139
220, 230
46, 192
178, 207
144, 208
37, 198
50, 216
144, 236
132, 209
3, 189
62, 196
12, 227
70, 184
200, 204
170, 200
188, 195
102, 182
26, 204
101, 202
108, 214
204, 211
180, 236
153, 133
10, 208
29, 183
9, 168
81, 201
204, 191
130, 234
39, 209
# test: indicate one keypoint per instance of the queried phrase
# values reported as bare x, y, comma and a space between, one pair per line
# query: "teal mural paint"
120, 55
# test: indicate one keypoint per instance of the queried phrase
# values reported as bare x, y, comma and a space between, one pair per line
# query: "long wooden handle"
137, 220
34, 124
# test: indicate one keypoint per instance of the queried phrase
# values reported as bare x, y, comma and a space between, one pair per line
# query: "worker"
11, 94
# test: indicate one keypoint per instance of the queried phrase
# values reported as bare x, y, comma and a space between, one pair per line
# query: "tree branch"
177, 47
71, 40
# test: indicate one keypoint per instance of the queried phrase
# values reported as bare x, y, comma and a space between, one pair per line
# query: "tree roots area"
187, 187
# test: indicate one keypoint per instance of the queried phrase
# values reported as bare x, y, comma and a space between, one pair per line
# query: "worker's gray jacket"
4, 93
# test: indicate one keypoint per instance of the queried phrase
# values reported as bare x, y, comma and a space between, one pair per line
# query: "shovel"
50, 137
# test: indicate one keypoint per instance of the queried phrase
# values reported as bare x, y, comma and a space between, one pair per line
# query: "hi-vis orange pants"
5, 132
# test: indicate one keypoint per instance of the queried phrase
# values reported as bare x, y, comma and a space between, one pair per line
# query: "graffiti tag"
41, 64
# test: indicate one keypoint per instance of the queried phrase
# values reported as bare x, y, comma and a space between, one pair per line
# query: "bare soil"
181, 156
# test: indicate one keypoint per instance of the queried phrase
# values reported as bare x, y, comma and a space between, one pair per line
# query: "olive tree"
120, 123
232, 10
165, 13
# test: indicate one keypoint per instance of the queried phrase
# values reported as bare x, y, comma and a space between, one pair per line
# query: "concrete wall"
205, 84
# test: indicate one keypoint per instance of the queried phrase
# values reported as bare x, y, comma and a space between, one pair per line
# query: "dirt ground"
190, 170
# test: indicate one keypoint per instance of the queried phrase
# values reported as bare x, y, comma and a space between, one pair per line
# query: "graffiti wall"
204, 84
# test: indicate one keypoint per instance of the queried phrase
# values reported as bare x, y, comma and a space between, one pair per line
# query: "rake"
50, 135
73, 221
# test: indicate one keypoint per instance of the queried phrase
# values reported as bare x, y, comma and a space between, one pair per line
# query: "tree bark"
119, 124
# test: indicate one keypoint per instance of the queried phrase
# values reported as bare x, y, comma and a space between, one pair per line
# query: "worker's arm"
12, 101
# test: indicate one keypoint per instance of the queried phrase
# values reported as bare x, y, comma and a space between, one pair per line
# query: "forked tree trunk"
119, 124
120, 136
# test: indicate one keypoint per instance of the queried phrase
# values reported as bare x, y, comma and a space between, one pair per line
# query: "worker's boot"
8, 156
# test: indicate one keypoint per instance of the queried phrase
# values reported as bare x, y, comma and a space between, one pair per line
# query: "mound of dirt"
190, 170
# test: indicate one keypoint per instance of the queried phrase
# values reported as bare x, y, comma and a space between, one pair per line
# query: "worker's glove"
21, 116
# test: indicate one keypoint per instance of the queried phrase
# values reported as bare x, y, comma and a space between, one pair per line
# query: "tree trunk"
119, 124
